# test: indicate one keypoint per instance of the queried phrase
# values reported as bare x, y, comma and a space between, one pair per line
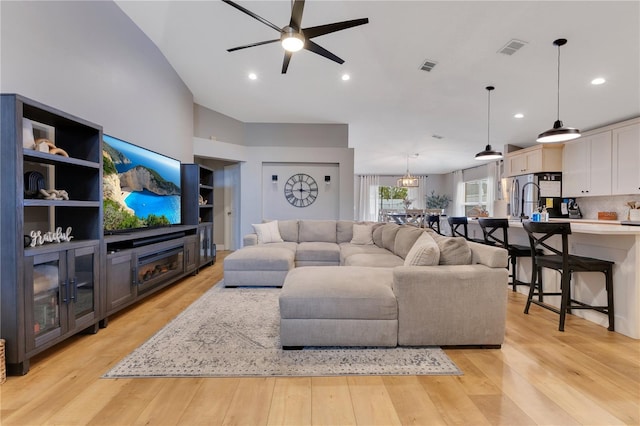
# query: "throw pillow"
362, 234
453, 250
268, 232
425, 252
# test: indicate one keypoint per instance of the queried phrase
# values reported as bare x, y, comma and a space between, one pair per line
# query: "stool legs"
609, 283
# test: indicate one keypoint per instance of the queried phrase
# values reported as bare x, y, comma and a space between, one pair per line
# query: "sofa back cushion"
389, 232
362, 234
425, 252
289, 230
317, 231
344, 231
377, 235
453, 250
405, 239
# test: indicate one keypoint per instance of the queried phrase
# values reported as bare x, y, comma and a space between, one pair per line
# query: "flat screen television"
141, 188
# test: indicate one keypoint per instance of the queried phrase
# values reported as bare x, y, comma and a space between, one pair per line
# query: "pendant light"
488, 153
558, 133
408, 181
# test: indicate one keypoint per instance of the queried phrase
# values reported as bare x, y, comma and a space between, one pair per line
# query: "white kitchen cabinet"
626, 160
586, 168
535, 159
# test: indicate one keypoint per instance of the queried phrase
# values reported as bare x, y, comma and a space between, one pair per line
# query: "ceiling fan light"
488, 154
558, 133
291, 40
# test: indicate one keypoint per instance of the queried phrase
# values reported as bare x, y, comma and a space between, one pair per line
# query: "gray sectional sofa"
347, 283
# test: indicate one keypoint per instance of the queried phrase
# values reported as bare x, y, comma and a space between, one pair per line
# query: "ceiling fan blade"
260, 43
315, 48
331, 28
296, 14
285, 62
253, 15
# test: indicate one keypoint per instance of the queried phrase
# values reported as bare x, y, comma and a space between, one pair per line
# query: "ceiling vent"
512, 47
428, 65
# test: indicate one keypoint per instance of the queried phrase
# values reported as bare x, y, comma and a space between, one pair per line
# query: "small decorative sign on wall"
38, 238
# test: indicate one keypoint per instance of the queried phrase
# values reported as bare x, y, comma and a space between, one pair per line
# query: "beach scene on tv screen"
141, 188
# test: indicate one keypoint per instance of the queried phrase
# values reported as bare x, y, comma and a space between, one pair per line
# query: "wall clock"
301, 190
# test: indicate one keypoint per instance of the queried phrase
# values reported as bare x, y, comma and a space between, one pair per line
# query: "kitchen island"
607, 240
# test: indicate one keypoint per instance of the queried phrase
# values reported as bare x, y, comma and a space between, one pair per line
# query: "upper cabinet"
586, 169
626, 160
535, 159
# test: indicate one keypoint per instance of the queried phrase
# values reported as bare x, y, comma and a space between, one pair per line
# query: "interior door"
231, 206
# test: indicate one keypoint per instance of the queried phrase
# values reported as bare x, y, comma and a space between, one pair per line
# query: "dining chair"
567, 264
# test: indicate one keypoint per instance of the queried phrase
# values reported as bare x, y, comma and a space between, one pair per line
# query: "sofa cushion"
389, 232
453, 250
336, 292
377, 235
288, 230
318, 252
268, 232
362, 233
260, 258
374, 260
344, 231
317, 231
405, 238
425, 252
348, 249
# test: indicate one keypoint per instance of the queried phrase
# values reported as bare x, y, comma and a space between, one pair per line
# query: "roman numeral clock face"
301, 190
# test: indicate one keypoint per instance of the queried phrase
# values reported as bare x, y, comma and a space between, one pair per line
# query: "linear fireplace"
156, 268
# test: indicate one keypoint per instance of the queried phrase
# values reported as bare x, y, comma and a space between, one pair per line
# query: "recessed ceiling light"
253, 76
346, 77
598, 81
518, 115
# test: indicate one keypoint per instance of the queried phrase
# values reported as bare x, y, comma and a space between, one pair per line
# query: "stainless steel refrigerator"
525, 193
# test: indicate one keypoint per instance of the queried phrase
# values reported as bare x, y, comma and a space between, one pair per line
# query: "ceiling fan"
294, 38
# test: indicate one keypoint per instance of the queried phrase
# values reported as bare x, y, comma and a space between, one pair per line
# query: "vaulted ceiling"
394, 109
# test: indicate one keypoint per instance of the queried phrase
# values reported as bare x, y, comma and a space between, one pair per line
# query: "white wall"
88, 59
275, 204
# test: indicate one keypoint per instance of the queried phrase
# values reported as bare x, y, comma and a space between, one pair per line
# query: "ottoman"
338, 306
258, 266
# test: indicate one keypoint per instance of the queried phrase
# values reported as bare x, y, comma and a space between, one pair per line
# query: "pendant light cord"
558, 104
489, 118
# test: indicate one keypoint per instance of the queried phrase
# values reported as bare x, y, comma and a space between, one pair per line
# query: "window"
475, 196
391, 198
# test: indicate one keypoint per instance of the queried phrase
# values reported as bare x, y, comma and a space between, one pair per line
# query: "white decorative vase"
634, 214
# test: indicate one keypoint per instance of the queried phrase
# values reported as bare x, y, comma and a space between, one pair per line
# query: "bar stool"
433, 222
496, 233
566, 264
457, 222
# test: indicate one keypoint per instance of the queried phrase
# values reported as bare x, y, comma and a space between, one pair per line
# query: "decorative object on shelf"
28, 141
54, 194
634, 210
38, 238
33, 183
50, 147
434, 201
408, 181
202, 201
607, 216
488, 153
558, 133
301, 190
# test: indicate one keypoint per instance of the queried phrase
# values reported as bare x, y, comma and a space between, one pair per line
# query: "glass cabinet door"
45, 288
82, 273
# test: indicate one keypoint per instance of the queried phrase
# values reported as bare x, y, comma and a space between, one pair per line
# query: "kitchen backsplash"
590, 206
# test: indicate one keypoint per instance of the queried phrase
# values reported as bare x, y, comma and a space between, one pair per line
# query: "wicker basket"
3, 368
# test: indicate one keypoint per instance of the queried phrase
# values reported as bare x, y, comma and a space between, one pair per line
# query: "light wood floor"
585, 375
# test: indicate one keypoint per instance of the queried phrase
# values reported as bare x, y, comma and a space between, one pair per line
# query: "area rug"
235, 332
